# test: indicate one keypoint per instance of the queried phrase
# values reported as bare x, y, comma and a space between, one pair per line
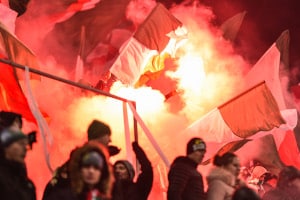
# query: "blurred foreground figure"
14, 182
97, 131
185, 182
288, 185
125, 188
245, 193
90, 175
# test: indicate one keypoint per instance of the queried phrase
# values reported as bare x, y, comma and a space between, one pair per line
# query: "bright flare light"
190, 73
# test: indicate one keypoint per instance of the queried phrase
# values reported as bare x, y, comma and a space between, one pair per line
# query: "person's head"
245, 193
13, 145
20, 6
289, 176
228, 161
196, 149
89, 168
11, 120
123, 170
99, 131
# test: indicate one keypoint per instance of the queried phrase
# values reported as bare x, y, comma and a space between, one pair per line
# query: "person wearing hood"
185, 182
90, 175
97, 131
14, 182
125, 188
223, 178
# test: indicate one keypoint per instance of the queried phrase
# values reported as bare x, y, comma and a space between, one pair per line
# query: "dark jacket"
59, 186
287, 193
185, 182
71, 187
14, 183
139, 190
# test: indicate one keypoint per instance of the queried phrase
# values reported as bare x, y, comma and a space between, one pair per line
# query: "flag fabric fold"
267, 68
17, 52
12, 97
151, 38
252, 112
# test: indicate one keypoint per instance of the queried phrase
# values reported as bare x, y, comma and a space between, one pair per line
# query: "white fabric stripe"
131, 62
127, 133
267, 69
212, 127
42, 124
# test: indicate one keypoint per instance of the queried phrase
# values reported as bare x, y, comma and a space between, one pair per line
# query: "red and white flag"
251, 112
152, 37
267, 68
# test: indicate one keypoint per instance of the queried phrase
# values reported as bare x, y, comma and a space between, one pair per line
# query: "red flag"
252, 111
288, 150
11, 95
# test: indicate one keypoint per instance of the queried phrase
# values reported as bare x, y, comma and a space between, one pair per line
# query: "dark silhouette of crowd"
88, 173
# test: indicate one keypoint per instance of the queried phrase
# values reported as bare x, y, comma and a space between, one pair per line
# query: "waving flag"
244, 116
16, 51
151, 38
231, 26
267, 69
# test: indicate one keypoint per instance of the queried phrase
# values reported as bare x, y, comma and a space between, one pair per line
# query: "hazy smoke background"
70, 110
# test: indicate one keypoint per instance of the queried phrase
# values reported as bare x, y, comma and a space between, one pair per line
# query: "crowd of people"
88, 174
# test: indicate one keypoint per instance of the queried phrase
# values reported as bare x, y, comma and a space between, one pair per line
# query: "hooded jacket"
139, 190
74, 188
220, 184
185, 182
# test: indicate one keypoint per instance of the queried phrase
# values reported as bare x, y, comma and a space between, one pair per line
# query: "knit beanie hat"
93, 158
8, 118
98, 129
195, 144
7, 137
128, 166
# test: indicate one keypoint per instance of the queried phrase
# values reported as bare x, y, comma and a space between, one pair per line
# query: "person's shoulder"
275, 194
180, 159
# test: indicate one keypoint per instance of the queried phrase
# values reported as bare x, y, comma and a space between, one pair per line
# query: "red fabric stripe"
153, 32
11, 95
254, 110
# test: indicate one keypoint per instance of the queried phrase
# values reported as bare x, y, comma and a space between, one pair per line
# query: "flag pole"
79, 85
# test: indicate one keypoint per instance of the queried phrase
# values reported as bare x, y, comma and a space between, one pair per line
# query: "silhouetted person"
245, 193
14, 182
97, 131
90, 175
185, 182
